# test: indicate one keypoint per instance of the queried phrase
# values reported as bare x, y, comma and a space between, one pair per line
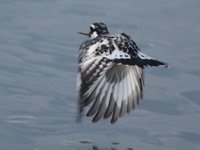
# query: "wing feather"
130, 91
123, 110
104, 104
110, 107
99, 93
134, 87
115, 115
113, 99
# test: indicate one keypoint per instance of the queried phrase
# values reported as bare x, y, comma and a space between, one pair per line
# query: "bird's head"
96, 29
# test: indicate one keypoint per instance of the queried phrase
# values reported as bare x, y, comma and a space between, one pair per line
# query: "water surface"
38, 66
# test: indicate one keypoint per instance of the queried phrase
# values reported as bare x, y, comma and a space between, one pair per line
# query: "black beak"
87, 34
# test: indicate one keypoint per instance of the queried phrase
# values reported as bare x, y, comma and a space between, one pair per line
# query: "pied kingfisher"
111, 74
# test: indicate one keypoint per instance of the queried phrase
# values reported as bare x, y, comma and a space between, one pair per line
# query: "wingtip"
165, 65
94, 121
113, 121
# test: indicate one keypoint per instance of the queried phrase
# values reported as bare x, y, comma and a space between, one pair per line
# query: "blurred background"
38, 67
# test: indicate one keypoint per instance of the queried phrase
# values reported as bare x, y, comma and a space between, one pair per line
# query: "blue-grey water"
38, 67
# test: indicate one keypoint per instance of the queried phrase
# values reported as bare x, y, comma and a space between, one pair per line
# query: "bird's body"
111, 73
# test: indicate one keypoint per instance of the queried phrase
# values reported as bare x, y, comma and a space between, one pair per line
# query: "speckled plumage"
111, 74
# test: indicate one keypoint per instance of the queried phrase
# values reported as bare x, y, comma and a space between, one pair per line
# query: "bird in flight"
110, 74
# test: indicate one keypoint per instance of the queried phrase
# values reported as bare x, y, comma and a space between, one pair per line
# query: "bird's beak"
87, 34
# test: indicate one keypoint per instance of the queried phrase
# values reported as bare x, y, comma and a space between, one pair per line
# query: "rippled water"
38, 66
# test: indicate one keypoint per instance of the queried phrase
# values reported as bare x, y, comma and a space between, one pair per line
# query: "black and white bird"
111, 74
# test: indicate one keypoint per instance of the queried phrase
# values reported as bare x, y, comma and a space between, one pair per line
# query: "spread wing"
92, 67
116, 93
111, 75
